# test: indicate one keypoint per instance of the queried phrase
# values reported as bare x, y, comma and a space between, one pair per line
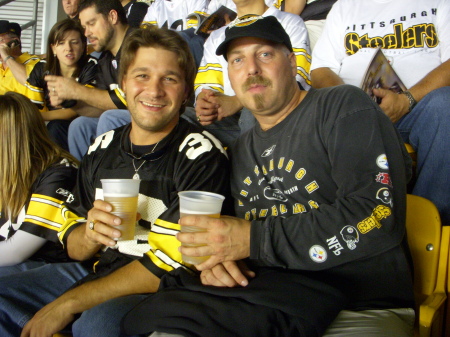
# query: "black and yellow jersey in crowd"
44, 213
189, 158
7, 80
38, 86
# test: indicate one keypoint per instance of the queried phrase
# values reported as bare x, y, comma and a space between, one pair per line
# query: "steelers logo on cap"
245, 20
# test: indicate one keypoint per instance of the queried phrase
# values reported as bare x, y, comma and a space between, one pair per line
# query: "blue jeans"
427, 129
23, 294
105, 319
195, 43
58, 130
82, 132
20, 267
226, 130
112, 119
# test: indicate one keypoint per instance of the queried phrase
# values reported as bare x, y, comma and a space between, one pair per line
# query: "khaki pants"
367, 323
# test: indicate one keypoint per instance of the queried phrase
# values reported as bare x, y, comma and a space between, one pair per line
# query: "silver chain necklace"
136, 174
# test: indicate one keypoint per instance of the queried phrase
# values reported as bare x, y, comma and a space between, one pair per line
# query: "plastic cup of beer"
198, 203
123, 194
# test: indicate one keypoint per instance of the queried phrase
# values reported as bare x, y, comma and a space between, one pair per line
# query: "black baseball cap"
10, 27
251, 25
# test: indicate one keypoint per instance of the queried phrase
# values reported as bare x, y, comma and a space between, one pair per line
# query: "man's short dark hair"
104, 7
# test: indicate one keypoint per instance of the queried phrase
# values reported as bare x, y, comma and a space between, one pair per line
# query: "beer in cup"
123, 194
198, 203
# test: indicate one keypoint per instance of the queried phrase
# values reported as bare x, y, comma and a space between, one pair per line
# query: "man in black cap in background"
15, 65
321, 245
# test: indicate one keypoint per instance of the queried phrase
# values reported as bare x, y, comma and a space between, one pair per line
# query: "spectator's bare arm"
294, 6
396, 106
61, 89
325, 77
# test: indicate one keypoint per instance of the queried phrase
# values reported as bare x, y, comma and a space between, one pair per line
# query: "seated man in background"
71, 8
415, 37
313, 13
173, 14
15, 66
168, 155
318, 231
106, 26
215, 99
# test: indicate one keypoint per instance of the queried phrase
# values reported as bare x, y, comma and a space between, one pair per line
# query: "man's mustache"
258, 80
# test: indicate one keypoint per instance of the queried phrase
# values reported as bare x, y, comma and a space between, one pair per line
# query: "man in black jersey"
310, 225
169, 155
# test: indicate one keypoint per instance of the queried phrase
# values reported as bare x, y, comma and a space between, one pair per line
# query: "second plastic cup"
123, 194
198, 203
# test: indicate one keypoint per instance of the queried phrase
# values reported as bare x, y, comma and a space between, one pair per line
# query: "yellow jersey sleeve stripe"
216, 66
154, 23
210, 78
71, 219
29, 64
46, 211
120, 95
35, 94
303, 64
167, 224
164, 245
209, 86
192, 23
33, 88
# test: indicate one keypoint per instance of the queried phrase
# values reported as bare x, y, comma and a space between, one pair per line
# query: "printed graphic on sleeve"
379, 213
318, 254
351, 236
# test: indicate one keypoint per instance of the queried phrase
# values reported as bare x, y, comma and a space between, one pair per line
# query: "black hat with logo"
10, 27
250, 25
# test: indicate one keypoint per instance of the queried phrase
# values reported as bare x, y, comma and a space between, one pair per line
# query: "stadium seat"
429, 245
412, 153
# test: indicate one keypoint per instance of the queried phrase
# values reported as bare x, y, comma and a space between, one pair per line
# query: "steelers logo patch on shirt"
318, 254
382, 162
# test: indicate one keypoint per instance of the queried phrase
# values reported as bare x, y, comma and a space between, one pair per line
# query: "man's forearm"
18, 70
437, 78
58, 114
79, 247
84, 109
325, 77
131, 279
294, 6
94, 97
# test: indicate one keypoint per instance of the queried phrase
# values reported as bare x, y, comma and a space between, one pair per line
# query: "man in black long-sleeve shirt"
319, 187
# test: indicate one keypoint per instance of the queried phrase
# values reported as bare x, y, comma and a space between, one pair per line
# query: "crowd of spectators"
88, 89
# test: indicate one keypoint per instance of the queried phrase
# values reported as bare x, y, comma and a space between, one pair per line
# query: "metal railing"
32, 23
